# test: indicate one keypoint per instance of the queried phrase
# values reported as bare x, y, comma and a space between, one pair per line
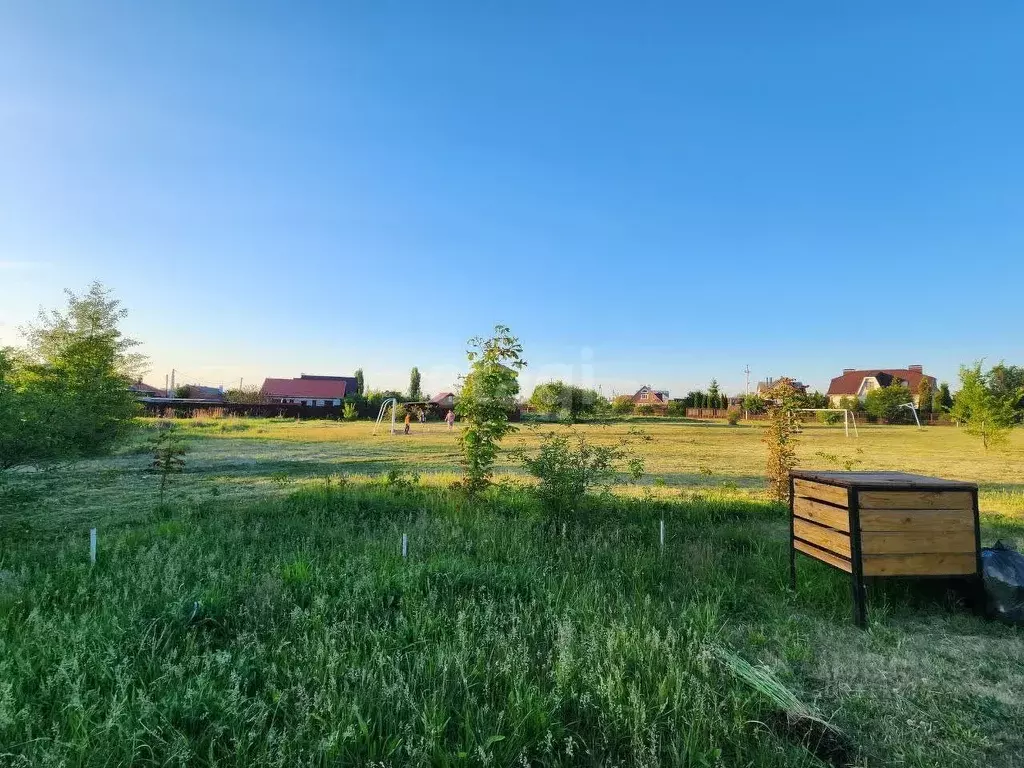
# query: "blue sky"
646, 193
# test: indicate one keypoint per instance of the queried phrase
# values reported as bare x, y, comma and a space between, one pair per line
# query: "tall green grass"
291, 631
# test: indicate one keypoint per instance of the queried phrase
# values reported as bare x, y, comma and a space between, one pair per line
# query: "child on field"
450, 418
407, 420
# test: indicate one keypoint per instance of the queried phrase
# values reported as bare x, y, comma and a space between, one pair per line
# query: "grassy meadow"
264, 614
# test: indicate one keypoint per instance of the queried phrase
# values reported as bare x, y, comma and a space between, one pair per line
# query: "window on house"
643, 395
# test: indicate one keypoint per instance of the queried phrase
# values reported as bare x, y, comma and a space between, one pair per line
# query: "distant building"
309, 390
647, 395
858, 382
764, 386
145, 390
199, 392
443, 400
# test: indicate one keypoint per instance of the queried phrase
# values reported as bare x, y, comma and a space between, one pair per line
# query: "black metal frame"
856, 561
860, 608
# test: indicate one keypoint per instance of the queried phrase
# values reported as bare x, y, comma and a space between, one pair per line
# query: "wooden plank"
948, 564
921, 520
825, 557
823, 514
914, 542
915, 500
893, 480
820, 536
831, 493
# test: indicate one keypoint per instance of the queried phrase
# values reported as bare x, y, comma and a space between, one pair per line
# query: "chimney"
848, 370
916, 368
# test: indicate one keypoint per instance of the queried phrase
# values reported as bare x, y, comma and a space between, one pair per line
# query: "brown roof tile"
850, 381
317, 389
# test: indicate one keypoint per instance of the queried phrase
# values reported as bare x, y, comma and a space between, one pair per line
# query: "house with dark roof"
764, 386
856, 382
647, 395
443, 400
141, 389
309, 390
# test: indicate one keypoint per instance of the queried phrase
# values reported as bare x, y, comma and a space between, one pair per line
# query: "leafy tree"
415, 393
884, 403
568, 467
68, 388
249, 395
924, 395
1007, 381
27, 419
349, 411
645, 410
360, 382
813, 400
754, 404
574, 403
851, 403
945, 399
676, 408
488, 395
780, 435
983, 412
713, 394
622, 405
94, 315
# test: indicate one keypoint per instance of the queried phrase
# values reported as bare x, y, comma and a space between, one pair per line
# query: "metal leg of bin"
860, 611
792, 548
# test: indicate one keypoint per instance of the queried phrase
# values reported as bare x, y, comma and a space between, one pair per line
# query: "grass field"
264, 615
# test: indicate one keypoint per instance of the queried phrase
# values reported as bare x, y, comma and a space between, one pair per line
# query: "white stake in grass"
405, 545
662, 534
92, 546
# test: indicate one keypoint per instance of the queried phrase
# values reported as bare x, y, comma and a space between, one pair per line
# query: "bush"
349, 412
780, 436
676, 408
733, 417
645, 410
568, 467
622, 405
885, 404
754, 404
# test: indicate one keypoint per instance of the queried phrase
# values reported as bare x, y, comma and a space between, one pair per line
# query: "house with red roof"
443, 400
647, 395
857, 383
309, 390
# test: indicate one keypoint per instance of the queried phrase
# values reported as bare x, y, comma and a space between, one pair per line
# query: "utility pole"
167, 387
746, 391
172, 383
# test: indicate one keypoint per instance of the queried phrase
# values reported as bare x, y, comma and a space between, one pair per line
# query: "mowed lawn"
248, 458
264, 615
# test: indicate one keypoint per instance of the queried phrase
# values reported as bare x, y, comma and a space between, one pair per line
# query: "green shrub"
885, 404
622, 405
349, 412
568, 467
733, 416
645, 410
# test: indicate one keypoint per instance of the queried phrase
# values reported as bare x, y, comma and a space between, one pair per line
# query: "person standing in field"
450, 418
407, 420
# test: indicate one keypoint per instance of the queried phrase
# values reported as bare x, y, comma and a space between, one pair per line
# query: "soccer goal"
393, 402
848, 417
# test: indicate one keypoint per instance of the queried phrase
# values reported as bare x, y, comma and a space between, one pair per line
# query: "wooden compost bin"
884, 524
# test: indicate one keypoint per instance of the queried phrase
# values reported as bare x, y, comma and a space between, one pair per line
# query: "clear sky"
645, 192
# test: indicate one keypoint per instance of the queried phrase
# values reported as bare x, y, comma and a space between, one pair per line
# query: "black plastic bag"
1003, 568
